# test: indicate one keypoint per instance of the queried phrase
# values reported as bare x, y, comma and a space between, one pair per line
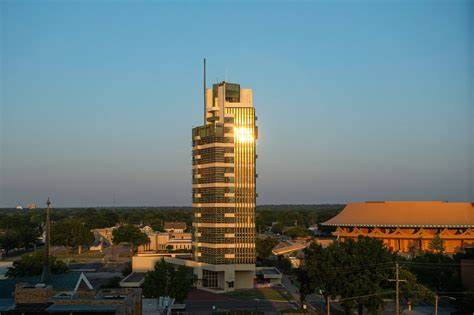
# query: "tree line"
357, 273
72, 227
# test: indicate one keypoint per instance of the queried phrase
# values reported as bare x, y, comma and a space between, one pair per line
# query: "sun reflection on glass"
243, 135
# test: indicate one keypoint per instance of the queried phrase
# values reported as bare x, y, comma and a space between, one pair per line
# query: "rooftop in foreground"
406, 214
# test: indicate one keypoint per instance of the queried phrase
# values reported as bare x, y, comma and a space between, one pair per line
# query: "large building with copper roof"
408, 226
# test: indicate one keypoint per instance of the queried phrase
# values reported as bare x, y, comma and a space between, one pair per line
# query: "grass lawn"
74, 257
274, 294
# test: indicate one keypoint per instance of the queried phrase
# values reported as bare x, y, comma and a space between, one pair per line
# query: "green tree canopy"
19, 231
9, 240
436, 244
130, 234
264, 246
71, 232
32, 265
355, 268
348, 269
277, 228
297, 231
166, 280
413, 291
437, 271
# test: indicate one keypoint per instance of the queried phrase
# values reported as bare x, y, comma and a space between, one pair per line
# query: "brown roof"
405, 214
175, 225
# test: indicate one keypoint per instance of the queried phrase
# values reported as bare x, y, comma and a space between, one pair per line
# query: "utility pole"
47, 240
397, 288
328, 305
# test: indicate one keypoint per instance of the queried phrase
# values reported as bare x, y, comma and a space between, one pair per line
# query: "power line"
365, 265
360, 266
363, 296
436, 264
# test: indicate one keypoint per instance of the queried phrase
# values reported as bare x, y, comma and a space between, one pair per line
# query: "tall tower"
224, 192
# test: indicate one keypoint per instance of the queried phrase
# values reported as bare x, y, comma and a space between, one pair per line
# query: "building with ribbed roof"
406, 226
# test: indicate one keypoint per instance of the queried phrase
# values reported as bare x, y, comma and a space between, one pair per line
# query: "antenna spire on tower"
204, 86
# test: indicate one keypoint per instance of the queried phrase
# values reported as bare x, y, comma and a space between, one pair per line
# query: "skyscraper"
224, 188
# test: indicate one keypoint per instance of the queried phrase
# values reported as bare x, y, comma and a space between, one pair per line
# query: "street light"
437, 297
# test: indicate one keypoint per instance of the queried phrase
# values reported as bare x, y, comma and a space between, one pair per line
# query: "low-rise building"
408, 226
174, 238
267, 276
69, 293
289, 247
174, 227
293, 250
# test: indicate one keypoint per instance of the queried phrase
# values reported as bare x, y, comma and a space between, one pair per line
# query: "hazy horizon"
355, 101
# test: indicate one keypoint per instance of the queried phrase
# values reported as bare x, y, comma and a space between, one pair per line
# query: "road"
314, 302
202, 302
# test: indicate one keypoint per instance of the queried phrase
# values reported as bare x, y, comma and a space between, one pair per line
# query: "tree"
284, 264
297, 231
19, 232
436, 244
277, 228
264, 246
165, 280
411, 290
342, 270
156, 281
130, 234
71, 232
32, 265
182, 282
81, 235
436, 271
9, 241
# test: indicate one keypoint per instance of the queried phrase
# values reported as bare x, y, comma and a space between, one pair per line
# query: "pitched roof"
175, 225
60, 282
405, 214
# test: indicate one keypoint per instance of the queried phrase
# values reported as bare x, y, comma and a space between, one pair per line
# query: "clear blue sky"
355, 100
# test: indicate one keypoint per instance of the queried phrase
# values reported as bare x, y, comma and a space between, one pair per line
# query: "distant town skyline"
355, 100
